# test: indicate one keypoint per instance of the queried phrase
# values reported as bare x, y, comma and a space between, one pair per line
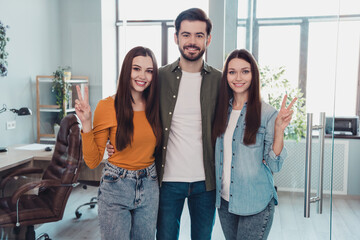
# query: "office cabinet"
46, 108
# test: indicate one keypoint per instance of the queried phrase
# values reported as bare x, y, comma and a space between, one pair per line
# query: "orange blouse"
136, 156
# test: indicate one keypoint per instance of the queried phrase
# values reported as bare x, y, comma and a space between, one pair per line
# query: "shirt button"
232, 181
233, 139
163, 165
237, 125
164, 148
232, 166
230, 195
170, 113
166, 129
240, 114
233, 154
174, 96
177, 77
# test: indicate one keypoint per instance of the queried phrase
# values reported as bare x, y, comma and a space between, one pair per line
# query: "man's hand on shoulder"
110, 149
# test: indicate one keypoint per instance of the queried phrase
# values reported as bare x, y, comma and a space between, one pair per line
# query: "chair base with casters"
44, 236
93, 201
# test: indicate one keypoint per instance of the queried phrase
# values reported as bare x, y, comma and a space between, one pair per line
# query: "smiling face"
141, 74
239, 76
192, 39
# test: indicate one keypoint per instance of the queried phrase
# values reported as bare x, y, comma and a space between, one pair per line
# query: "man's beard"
192, 58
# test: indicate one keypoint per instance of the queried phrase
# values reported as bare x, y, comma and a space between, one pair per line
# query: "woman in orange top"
128, 194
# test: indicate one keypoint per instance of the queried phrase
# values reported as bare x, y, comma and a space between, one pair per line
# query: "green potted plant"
3, 54
62, 89
273, 87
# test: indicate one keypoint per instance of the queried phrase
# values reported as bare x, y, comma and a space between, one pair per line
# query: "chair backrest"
65, 164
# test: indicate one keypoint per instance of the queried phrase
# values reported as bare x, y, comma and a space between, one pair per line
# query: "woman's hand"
281, 122
284, 116
83, 109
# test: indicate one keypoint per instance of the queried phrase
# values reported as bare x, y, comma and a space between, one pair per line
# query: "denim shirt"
251, 182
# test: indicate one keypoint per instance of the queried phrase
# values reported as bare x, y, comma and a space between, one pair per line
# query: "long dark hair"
253, 109
124, 100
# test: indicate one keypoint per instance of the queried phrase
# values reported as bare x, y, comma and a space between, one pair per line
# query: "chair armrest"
19, 172
31, 185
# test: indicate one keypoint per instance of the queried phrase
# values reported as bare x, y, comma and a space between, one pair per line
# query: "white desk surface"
15, 157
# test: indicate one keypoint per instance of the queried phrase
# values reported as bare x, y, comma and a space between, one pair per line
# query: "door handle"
319, 198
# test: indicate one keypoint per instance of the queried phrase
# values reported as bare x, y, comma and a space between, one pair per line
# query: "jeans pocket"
110, 176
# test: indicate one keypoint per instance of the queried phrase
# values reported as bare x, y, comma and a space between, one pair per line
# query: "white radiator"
292, 175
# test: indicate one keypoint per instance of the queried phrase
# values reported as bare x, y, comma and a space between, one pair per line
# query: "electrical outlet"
10, 125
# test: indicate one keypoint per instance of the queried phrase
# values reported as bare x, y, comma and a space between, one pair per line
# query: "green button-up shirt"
169, 80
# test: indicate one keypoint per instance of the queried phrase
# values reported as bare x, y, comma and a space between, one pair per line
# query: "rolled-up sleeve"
274, 161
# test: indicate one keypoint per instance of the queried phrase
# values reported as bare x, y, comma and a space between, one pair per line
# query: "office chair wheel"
93, 200
78, 214
43, 235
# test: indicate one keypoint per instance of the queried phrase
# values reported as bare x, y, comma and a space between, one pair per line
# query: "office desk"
18, 158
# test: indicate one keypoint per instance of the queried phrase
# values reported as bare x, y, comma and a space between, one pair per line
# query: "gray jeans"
128, 203
253, 227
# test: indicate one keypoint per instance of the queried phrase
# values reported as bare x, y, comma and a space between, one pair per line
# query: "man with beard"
186, 166
188, 94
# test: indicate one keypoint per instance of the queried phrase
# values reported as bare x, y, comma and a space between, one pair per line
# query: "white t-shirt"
184, 157
228, 139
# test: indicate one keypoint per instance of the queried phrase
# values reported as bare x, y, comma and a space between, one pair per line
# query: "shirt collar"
231, 101
175, 66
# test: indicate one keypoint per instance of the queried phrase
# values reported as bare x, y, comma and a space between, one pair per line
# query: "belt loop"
123, 174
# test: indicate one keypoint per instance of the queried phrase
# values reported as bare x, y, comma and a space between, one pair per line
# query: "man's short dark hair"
193, 14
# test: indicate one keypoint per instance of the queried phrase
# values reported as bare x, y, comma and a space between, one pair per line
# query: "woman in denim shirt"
249, 148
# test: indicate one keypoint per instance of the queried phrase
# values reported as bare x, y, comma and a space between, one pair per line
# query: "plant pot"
67, 75
56, 130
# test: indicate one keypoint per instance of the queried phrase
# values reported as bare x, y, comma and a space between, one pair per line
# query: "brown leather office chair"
56, 184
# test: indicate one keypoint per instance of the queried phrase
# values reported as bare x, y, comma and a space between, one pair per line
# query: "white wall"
44, 35
33, 49
81, 42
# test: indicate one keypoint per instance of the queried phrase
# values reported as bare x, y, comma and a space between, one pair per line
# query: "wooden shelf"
51, 108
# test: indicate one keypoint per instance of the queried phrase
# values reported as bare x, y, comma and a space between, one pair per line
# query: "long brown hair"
253, 109
124, 100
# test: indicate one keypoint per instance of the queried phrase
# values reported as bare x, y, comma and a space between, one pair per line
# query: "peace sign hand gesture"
285, 114
83, 109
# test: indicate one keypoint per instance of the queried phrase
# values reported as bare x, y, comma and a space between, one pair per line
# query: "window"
318, 45
277, 49
148, 24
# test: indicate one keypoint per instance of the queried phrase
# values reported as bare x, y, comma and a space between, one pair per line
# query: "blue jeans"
201, 207
251, 227
128, 203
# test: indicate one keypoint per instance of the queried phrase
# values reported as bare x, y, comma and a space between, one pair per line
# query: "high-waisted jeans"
128, 203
